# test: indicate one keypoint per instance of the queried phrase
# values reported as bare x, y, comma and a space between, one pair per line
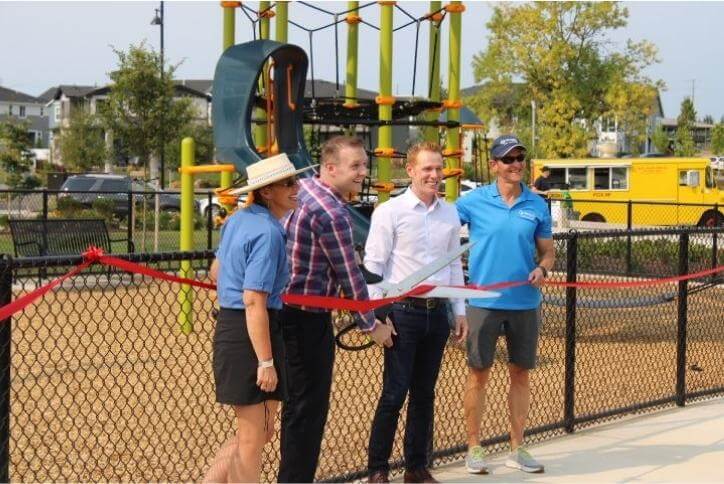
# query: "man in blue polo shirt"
511, 228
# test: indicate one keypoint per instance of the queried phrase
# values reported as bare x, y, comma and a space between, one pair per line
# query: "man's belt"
423, 303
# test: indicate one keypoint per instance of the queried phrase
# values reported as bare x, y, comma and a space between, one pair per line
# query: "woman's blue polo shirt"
252, 255
504, 239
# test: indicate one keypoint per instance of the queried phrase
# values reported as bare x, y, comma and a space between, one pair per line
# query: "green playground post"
453, 112
186, 241
350, 85
229, 38
432, 133
385, 98
281, 22
260, 129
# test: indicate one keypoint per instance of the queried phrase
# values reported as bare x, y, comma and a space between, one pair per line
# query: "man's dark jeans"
309, 351
412, 364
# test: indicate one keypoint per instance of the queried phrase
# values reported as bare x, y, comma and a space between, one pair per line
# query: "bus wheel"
593, 217
711, 219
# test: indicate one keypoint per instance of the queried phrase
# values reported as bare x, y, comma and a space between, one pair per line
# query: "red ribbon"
96, 255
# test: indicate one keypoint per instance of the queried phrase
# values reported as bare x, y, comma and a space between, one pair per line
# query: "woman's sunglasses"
288, 183
507, 160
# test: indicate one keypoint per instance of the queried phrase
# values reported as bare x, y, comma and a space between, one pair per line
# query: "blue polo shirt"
252, 255
504, 239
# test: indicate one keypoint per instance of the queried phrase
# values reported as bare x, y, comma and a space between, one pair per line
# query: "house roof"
10, 95
324, 88
200, 85
70, 90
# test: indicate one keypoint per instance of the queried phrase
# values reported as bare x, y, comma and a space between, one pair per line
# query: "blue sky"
43, 44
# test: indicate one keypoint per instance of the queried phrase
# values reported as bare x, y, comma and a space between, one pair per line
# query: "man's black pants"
411, 365
309, 350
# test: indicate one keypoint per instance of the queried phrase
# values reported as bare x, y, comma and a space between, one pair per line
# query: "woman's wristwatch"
543, 270
266, 363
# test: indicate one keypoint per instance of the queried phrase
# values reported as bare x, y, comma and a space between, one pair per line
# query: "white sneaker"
475, 461
521, 459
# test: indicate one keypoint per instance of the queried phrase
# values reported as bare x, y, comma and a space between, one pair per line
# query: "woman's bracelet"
266, 363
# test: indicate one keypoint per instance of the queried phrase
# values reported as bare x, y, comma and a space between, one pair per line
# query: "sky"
43, 44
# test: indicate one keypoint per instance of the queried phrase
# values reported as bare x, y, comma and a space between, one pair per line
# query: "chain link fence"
98, 383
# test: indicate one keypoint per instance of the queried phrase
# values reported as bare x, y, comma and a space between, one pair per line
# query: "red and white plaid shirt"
320, 248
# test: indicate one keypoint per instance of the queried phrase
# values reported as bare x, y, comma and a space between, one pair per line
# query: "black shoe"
378, 476
419, 475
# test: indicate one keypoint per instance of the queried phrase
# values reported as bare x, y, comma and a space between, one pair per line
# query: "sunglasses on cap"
507, 160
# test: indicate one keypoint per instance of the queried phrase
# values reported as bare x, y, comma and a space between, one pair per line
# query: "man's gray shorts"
520, 328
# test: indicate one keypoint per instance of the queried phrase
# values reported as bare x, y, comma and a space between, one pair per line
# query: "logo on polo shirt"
527, 214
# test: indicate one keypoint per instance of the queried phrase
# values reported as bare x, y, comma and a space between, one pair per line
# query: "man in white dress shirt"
407, 233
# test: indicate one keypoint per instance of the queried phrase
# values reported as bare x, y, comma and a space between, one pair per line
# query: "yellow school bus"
600, 189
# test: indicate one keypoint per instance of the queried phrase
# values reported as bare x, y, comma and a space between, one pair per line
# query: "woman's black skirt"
235, 363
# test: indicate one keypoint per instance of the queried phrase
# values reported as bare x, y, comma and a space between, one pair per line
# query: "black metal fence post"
629, 224
45, 204
6, 289
715, 245
570, 357
129, 228
681, 321
209, 221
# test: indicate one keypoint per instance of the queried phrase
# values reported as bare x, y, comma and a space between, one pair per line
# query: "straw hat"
267, 171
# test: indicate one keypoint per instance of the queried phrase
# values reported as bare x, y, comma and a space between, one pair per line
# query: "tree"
708, 119
717, 139
202, 134
82, 146
684, 142
559, 56
141, 108
660, 140
15, 155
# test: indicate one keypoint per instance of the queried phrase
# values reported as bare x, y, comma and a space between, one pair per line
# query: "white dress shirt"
406, 235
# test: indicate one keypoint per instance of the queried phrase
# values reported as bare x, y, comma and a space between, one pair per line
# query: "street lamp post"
158, 20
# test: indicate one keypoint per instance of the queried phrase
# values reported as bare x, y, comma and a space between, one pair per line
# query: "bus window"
557, 177
709, 177
682, 178
577, 178
619, 178
601, 178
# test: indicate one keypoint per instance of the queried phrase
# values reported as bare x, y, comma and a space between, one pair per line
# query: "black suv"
85, 189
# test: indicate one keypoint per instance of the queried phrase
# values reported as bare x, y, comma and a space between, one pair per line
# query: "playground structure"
259, 106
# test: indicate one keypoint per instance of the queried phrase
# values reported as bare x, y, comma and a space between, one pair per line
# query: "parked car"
203, 204
91, 187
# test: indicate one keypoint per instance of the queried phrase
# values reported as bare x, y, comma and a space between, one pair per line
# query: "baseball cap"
503, 145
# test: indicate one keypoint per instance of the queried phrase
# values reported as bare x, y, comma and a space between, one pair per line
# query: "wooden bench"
57, 237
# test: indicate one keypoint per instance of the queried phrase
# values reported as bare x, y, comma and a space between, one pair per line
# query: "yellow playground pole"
228, 39
453, 104
186, 241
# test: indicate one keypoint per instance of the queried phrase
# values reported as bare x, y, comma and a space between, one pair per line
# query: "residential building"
25, 108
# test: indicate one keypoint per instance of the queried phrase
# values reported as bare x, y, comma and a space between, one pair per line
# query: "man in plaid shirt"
321, 254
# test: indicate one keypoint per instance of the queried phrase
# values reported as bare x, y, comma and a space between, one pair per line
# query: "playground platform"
674, 445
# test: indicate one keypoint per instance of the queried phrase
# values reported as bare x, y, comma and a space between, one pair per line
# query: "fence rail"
98, 383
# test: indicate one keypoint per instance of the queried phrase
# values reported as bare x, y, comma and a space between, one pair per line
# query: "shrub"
68, 207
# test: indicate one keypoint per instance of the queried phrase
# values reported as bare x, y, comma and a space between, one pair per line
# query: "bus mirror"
692, 178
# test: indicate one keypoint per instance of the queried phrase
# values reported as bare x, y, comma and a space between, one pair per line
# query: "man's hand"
536, 277
382, 334
461, 328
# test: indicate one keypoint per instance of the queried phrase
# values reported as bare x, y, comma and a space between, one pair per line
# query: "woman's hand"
266, 379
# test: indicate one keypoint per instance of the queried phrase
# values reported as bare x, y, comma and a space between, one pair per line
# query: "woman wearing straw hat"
248, 349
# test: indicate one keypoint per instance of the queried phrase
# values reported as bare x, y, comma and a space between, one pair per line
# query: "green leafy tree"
15, 155
202, 134
660, 140
141, 110
82, 145
560, 57
684, 143
717, 139
708, 119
